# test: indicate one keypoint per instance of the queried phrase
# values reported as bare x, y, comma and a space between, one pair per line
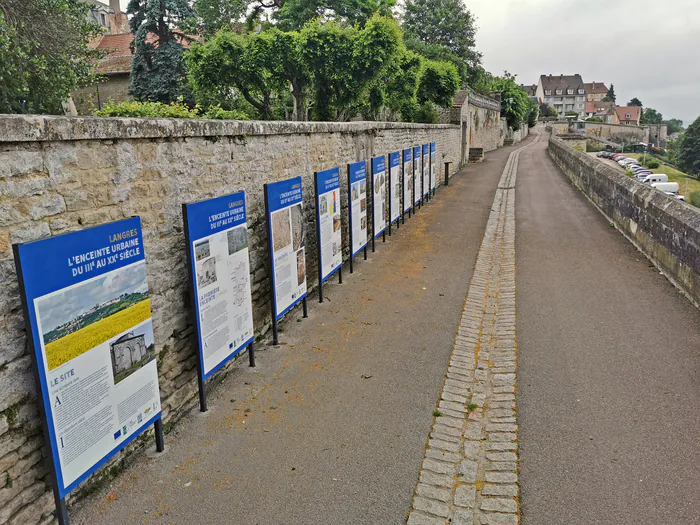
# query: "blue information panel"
433, 167
417, 174
394, 186
379, 184
407, 179
425, 168
357, 181
217, 241
89, 319
330, 240
285, 220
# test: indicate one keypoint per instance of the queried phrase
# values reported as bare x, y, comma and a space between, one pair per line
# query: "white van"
656, 177
666, 187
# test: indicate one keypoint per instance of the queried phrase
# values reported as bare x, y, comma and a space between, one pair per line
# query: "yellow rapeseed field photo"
66, 348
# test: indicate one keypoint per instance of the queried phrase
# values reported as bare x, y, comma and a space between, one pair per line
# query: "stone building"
109, 16
566, 93
126, 351
595, 91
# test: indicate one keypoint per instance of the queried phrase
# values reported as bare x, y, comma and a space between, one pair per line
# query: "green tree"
43, 53
534, 113
402, 85
444, 23
651, 116
674, 125
345, 63
294, 14
220, 14
548, 111
515, 104
438, 83
160, 27
610, 96
635, 102
689, 149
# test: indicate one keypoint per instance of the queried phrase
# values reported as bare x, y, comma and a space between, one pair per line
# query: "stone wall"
114, 88
484, 120
666, 230
62, 174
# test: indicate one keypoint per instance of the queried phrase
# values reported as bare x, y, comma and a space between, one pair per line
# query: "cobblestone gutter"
470, 472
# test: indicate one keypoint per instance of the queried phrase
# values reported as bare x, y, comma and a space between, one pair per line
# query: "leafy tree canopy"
548, 111
43, 53
515, 104
610, 96
651, 116
160, 28
447, 24
220, 14
635, 102
674, 125
689, 149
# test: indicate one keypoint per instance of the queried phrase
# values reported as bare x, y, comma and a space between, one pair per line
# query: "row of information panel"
87, 308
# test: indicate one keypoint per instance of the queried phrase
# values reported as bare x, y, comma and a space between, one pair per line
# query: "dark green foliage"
635, 102
594, 119
445, 24
533, 114
43, 53
610, 96
402, 86
515, 104
651, 116
548, 111
438, 83
674, 125
220, 14
427, 113
160, 28
294, 14
689, 149
651, 163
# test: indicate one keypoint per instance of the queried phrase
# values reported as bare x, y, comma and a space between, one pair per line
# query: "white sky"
649, 49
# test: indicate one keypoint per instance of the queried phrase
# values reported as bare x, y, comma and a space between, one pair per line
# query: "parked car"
642, 176
655, 177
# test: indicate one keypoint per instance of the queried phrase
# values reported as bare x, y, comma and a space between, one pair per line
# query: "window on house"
580, 106
569, 91
627, 115
547, 91
559, 91
547, 100
103, 20
580, 91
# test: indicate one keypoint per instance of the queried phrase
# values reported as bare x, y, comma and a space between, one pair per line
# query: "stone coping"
37, 128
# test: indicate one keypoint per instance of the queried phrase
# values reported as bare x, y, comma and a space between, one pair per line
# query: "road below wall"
330, 427
609, 367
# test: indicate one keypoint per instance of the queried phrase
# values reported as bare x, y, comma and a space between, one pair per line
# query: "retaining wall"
665, 229
62, 174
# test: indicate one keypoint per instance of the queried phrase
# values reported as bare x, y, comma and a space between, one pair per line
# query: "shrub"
695, 198
652, 163
427, 113
172, 110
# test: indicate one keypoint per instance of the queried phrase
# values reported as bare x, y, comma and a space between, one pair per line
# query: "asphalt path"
331, 427
609, 367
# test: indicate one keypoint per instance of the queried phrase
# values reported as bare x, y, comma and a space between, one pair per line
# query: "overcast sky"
649, 49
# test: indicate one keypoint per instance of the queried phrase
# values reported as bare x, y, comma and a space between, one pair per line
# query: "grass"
74, 344
437, 413
673, 176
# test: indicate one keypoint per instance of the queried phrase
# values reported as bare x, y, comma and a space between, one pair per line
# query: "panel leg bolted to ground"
469, 474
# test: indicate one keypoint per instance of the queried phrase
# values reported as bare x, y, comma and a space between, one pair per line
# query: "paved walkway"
608, 368
331, 427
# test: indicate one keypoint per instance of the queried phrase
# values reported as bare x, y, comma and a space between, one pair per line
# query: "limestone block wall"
62, 174
666, 230
485, 129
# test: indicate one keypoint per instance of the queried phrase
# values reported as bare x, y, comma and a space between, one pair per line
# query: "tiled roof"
563, 82
118, 52
635, 112
596, 88
459, 98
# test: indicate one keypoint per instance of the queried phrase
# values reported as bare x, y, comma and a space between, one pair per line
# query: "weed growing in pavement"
437, 413
472, 406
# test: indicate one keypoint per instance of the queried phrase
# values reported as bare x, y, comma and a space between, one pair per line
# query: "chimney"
114, 6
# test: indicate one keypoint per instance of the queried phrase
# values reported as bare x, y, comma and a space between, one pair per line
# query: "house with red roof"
629, 115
